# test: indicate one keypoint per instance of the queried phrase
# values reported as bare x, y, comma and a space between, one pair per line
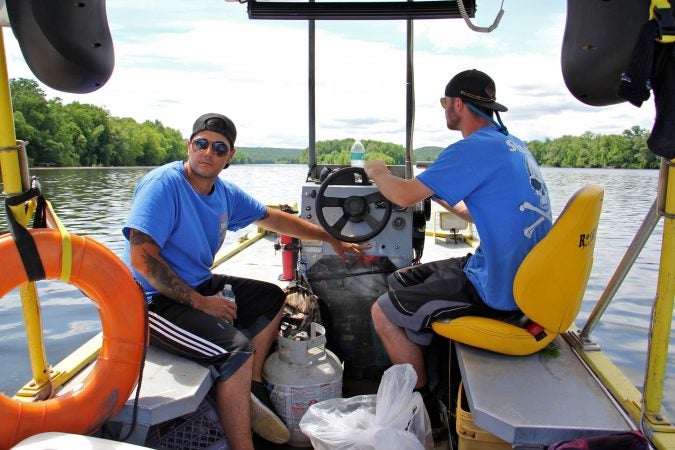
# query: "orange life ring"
108, 282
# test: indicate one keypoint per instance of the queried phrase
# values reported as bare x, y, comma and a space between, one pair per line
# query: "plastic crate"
198, 430
471, 436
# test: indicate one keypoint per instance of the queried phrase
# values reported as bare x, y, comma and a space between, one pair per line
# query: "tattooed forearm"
166, 281
156, 270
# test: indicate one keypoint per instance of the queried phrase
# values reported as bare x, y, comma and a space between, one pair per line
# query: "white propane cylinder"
302, 373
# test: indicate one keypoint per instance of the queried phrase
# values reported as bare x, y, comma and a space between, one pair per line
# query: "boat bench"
172, 387
537, 399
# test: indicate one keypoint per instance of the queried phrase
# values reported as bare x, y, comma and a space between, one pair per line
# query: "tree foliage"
79, 134
627, 150
337, 151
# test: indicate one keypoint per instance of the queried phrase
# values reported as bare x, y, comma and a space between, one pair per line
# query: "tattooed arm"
292, 225
147, 261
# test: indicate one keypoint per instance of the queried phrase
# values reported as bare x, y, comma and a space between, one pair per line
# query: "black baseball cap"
215, 122
475, 87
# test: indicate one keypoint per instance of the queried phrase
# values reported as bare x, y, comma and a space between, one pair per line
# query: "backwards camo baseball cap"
476, 87
215, 122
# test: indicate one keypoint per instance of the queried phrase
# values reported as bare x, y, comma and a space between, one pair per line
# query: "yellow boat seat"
548, 288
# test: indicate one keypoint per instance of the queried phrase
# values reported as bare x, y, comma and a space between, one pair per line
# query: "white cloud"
184, 59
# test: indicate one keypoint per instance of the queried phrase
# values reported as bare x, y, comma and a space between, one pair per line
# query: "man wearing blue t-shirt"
488, 178
179, 215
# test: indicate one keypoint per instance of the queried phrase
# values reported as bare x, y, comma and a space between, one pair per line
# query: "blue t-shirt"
188, 227
501, 185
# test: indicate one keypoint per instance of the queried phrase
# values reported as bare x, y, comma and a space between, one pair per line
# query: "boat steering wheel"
355, 208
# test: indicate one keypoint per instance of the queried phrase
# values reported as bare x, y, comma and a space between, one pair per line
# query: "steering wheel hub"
355, 207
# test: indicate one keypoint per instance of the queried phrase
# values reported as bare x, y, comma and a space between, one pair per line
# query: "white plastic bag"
394, 419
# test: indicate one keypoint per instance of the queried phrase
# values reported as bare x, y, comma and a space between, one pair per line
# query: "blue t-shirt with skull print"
500, 182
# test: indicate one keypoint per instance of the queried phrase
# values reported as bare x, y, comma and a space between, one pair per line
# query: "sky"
175, 60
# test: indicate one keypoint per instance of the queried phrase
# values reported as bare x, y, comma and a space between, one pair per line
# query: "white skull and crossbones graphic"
538, 186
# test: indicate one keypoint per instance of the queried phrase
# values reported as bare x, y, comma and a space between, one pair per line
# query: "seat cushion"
492, 334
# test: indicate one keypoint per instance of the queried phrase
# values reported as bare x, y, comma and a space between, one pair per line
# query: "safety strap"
636, 80
22, 239
66, 245
663, 13
24, 242
652, 67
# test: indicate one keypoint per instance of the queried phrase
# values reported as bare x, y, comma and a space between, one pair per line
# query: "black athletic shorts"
198, 336
419, 295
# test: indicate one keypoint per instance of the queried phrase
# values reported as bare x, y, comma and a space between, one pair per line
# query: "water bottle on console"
357, 154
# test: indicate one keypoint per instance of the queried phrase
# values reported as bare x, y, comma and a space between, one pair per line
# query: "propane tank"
289, 247
302, 373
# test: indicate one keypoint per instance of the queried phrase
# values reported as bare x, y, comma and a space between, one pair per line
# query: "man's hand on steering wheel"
346, 249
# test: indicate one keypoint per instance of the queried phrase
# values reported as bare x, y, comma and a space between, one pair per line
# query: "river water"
94, 202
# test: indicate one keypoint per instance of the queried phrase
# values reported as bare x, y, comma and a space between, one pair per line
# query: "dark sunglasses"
218, 147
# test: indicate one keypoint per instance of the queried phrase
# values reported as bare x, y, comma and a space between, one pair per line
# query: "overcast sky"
175, 60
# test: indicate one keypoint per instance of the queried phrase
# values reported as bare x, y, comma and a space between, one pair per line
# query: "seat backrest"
550, 283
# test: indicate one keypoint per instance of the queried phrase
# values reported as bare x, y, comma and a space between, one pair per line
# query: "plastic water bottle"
357, 154
228, 293
302, 267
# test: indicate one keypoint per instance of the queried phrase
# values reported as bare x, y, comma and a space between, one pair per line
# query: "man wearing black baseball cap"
179, 216
476, 90
488, 178
475, 87
215, 122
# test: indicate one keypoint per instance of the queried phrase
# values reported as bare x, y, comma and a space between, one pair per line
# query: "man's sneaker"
263, 419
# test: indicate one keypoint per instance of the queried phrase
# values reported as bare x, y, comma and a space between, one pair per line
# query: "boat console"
352, 209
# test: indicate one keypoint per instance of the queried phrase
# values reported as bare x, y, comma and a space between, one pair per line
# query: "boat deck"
523, 400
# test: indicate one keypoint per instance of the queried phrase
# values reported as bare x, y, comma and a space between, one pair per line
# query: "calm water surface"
94, 202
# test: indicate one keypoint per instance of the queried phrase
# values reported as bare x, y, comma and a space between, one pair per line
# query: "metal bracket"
573, 337
670, 163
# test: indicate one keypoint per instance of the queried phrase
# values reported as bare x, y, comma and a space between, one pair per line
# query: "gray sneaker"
264, 420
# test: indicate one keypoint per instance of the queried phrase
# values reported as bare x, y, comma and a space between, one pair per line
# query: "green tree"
84, 134
32, 120
153, 153
627, 150
126, 143
93, 128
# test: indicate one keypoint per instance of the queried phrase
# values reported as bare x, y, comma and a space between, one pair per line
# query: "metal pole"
9, 152
12, 180
312, 98
410, 101
662, 312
